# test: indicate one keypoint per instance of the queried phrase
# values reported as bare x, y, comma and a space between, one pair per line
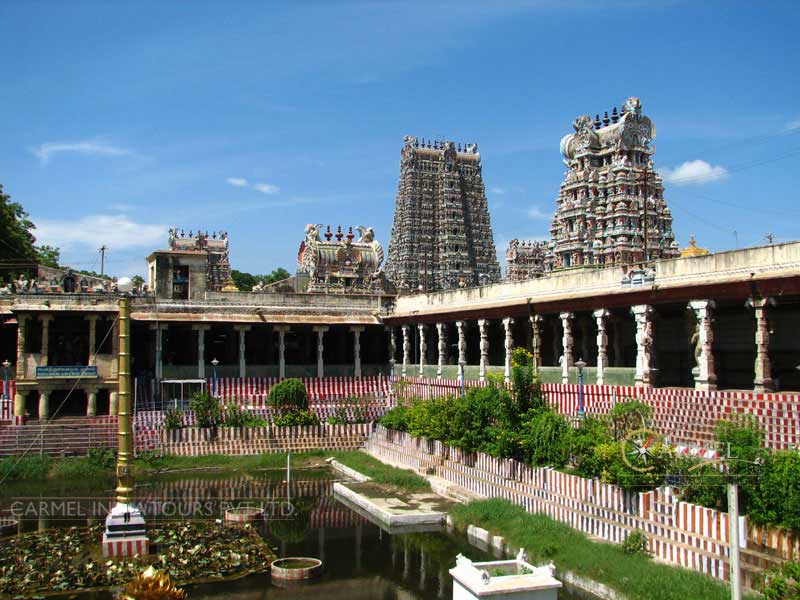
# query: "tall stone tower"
442, 237
610, 209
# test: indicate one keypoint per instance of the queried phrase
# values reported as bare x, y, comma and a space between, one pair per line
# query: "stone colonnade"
701, 314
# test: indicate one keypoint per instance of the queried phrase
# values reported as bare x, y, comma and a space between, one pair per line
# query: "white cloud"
118, 232
534, 212
266, 188
90, 147
693, 171
792, 125
237, 181
497, 190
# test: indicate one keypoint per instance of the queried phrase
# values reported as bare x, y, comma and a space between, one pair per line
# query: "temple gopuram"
442, 236
525, 259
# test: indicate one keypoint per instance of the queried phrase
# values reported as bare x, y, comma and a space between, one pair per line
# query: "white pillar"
91, 403
357, 349
705, 378
600, 316
643, 314
201, 350
45, 356
242, 329
462, 343
406, 348
484, 346
44, 405
159, 350
536, 341
762, 382
282, 331
441, 333
320, 329
392, 343
423, 347
92, 319
509, 344
566, 344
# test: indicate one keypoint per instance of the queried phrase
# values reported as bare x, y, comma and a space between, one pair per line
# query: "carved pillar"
762, 381
441, 334
92, 319
159, 328
462, 343
392, 343
19, 398
45, 354
423, 347
320, 329
357, 349
406, 347
643, 315
282, 331
44, 405
201, 350
91, 402
536, 341
566, 344
242, 329
705, 378
484, 346
509, 345
600, 315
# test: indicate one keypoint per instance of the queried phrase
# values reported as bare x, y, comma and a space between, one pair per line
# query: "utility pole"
733, 538
770, 238
103, 250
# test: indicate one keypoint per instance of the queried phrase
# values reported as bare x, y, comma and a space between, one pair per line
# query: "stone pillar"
282, 331
357, 349
566, 345
115, 351
44, 405
19, 397
462, 343
201, 350
441, 336
159, 328
705, 378
392, 343
242, 329
762, 381
643, 314
600, 315
509, 344
406, 348
92, 319
320, 329
113, 403
91, 403
484, 346
45, 354
536, 341
423, 347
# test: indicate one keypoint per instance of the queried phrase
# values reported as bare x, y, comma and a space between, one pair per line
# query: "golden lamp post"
125, 533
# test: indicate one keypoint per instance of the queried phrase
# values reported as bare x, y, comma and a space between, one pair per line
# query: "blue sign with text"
75, 372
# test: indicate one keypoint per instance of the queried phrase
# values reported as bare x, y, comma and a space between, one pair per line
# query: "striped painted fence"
254, 391
685, 415
678, 532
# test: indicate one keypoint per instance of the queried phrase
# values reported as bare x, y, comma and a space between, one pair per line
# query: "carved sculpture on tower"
525, 260
611, 208
442, 236
343, 264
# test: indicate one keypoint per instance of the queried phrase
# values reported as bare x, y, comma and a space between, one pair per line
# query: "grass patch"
638, 577
14, 468
381, 473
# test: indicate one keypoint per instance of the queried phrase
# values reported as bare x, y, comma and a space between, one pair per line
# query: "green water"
360, 559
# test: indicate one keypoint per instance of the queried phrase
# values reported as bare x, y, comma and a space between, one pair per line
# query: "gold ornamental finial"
152, 584
230, 286
693, 249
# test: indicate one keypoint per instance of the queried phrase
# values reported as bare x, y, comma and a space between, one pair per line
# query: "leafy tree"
49, 256
289, 394
277, 275
138, 281
15, 231
246, 281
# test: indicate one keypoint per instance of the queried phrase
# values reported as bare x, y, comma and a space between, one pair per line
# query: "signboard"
75, 372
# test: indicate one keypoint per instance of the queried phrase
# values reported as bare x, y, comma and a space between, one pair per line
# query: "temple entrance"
71, 404
673, 357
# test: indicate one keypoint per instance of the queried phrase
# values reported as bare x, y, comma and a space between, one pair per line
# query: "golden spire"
693, 249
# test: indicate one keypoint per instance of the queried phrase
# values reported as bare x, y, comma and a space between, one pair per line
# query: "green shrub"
33, 466
592, 432
431, 419
777, 496
471, 418
614, 469
740, 440
295, 418
636, 543
545, 438
236, 416
289, 394
105, 458
395, 418
173, 419
782, 582
525, 383
628, 416
206, 409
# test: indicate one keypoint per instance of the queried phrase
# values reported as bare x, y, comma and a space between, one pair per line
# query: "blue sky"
121, 120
